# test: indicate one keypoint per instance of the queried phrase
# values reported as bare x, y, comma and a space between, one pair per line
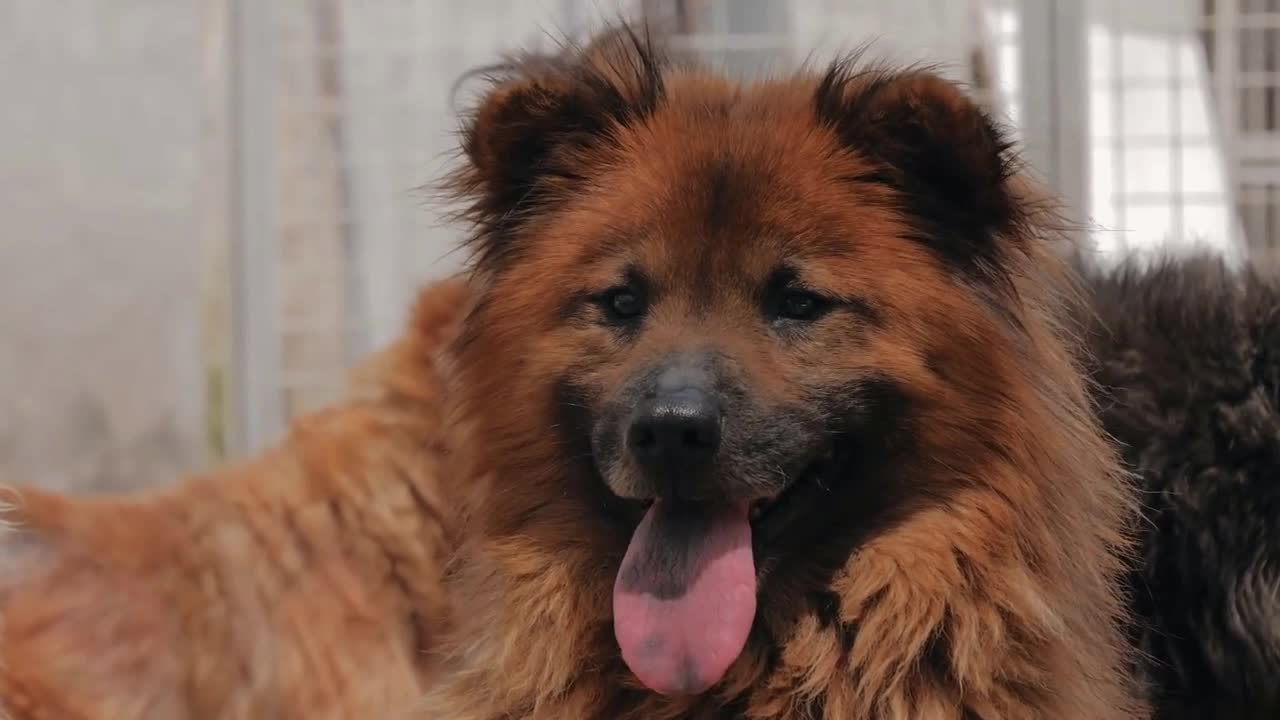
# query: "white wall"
100, 379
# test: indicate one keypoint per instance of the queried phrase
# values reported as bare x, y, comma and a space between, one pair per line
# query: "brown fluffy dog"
762, 407
776, 412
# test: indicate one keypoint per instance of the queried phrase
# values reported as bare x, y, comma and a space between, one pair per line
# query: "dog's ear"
545, 123
949, 162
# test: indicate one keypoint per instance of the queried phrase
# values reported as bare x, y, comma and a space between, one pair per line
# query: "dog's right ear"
544, 124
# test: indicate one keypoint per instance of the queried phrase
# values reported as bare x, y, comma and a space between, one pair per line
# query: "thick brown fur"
971, 575
301, 584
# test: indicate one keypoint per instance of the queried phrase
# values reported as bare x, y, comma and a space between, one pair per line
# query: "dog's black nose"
675, 432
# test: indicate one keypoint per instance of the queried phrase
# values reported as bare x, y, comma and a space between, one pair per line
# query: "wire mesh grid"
1243, 39
1159, 164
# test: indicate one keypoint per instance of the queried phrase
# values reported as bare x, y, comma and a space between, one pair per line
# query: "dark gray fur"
1188, 358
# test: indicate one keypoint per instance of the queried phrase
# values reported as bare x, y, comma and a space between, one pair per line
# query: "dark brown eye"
800, 305
623, 304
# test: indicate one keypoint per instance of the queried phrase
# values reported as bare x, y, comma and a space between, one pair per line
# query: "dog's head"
721, 324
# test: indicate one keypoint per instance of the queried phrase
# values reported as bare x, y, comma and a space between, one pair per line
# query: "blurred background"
210, 208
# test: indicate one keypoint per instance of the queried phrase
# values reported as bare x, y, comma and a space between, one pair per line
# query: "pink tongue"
685, 596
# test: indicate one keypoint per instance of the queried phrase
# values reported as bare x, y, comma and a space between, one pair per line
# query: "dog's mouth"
771, 510
771, 515
685, 594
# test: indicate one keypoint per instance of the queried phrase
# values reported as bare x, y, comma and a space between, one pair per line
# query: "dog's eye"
623, 304
800, 305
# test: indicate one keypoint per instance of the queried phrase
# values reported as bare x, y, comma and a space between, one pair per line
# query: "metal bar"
1036, 87
1119, 157
1226, 84
1054, 97
1177, 143
1071, 99
255, 259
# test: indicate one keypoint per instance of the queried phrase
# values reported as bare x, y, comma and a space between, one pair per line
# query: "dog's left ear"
923, 136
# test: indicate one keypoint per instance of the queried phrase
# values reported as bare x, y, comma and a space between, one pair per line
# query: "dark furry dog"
1189, 363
